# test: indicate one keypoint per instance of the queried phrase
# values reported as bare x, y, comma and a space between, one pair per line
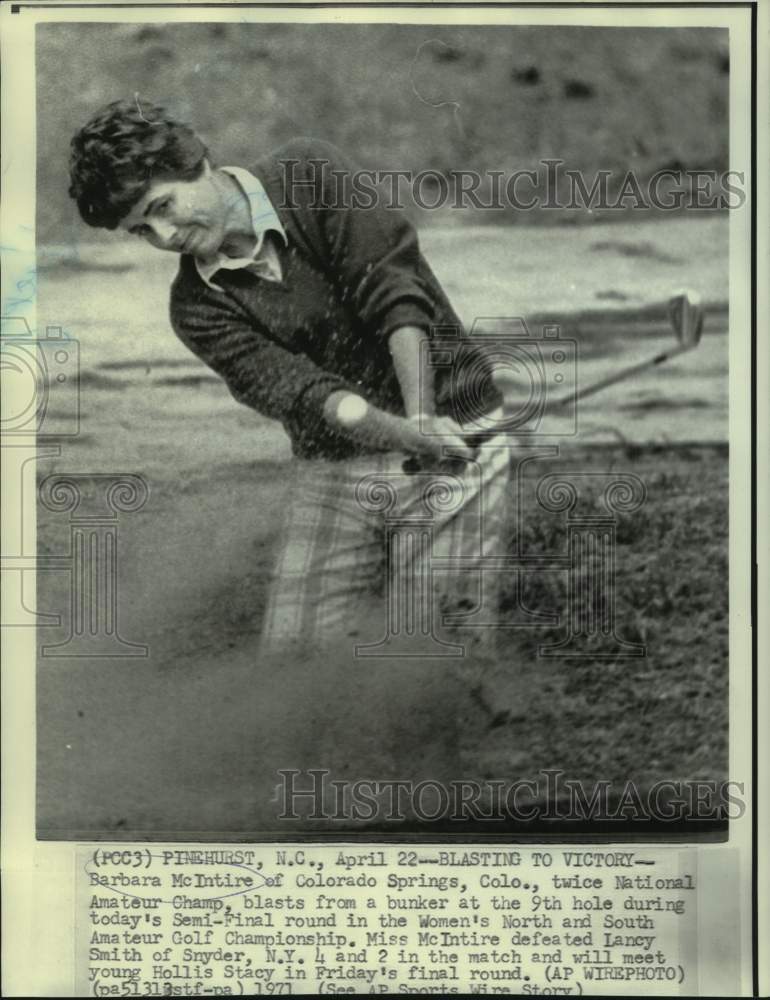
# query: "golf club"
686, 317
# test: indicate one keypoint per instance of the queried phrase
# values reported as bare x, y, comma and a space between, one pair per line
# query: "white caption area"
267, 920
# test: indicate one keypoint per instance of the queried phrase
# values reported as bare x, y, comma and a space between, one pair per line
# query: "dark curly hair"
120, 151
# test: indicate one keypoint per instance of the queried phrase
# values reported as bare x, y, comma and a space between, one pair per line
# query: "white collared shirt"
263, 260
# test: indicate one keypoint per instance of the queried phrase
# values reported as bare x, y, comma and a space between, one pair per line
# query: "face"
183, 216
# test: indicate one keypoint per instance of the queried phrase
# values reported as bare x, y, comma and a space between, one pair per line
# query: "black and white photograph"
383, 463
384, 439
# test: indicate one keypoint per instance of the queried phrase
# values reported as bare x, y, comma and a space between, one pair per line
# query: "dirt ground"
188, 740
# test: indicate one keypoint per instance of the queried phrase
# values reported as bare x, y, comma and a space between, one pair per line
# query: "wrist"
412, 438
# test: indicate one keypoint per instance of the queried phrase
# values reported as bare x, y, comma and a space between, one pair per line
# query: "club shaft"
687, 320
589, 390
620, 376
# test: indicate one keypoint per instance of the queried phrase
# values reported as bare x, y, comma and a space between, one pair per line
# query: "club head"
686, 314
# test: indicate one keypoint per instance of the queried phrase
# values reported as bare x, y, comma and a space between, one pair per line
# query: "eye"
162, 206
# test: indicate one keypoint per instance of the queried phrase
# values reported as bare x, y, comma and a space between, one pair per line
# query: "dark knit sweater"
350, 278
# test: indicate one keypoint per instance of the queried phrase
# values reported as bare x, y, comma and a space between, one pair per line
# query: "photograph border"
756, 799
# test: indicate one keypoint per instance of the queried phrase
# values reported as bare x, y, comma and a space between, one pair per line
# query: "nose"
165, 235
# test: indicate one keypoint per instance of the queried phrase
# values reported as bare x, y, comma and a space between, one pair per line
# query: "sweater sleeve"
372, 252
259, 372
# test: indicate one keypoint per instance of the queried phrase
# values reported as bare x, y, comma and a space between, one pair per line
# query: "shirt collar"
264, 218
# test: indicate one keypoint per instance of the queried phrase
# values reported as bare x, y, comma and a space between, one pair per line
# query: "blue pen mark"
27, 283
